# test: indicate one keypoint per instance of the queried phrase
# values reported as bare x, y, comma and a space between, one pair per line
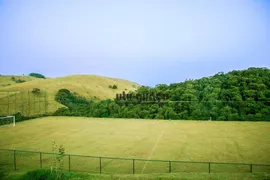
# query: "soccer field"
208, 141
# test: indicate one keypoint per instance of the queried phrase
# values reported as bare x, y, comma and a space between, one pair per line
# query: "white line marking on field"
154, 148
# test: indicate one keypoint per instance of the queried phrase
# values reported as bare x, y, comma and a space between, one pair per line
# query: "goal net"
7, 120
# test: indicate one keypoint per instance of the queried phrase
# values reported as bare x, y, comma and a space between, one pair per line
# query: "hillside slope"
7, 80
85, 85
88, 86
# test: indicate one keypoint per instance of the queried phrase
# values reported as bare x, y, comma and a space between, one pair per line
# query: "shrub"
64, 96
41, 174
17, 80
36, 91
61, 111
113, 87
3, 171
19, 117
58, 164
46, 174
4, 85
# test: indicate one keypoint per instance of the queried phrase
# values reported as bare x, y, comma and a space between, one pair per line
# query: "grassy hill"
88, 86
7, 80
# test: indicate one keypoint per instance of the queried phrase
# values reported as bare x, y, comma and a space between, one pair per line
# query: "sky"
149, 42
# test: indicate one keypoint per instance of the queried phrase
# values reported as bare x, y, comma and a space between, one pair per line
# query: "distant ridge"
84, 85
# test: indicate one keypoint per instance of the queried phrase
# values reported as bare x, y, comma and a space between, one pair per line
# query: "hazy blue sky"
146, 41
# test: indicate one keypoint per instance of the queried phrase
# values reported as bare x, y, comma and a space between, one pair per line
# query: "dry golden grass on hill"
88, 86
84, 85
7, 81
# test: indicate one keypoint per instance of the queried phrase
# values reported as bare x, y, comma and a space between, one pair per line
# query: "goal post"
7, 120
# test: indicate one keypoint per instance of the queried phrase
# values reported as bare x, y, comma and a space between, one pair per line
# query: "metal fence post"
170, 166
133, 166
250, 168
209, 167
40, 159
15, 165
99, 165
69, 162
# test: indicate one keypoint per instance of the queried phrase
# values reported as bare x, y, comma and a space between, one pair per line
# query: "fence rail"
30, 160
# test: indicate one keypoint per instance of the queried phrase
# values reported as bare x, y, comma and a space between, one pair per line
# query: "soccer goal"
7, 120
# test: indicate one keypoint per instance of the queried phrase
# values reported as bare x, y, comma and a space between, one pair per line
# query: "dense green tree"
37, 75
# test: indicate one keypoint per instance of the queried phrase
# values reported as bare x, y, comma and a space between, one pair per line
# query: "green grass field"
245, 142
172, 176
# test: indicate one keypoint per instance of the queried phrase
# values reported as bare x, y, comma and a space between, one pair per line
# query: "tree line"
237, 95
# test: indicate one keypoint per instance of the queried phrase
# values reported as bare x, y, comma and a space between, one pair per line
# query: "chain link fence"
21, 160
27, 103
